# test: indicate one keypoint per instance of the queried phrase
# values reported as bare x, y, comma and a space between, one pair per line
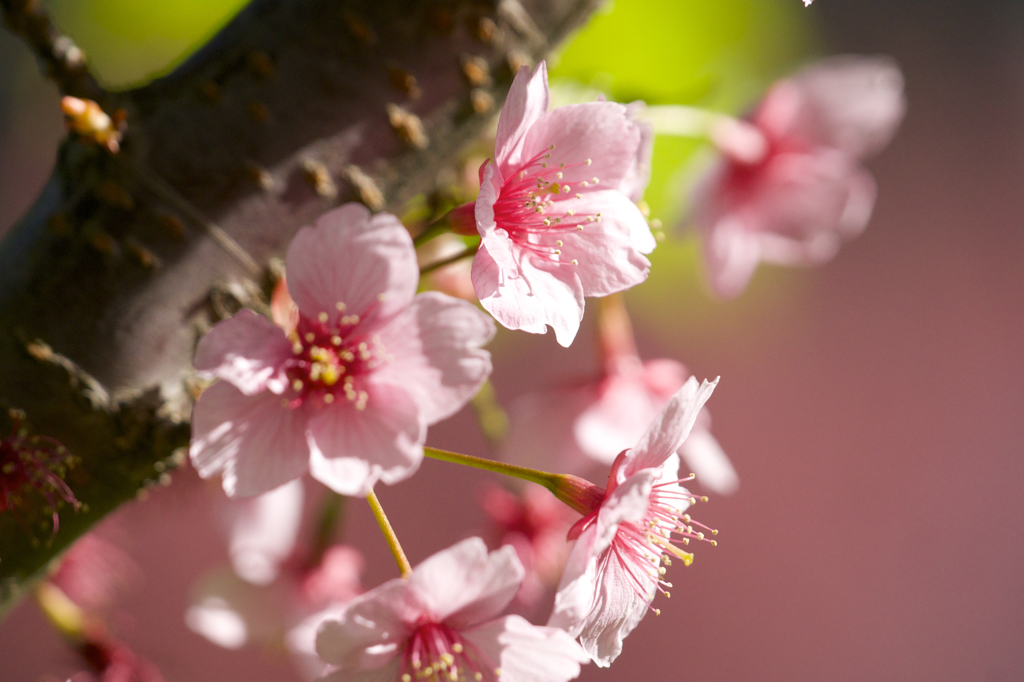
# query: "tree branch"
284, 114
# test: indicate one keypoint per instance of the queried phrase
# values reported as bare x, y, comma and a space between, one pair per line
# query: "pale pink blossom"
441, 623
349, 393
614, 569
790, 187
554, 212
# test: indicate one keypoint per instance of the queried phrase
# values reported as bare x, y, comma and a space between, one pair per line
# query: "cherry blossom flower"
614, 569
791, 187
554, 214
348, 394
533, 523
440, 624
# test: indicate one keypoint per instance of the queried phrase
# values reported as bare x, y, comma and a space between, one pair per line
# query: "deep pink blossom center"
532, 208
328, 359
437, 653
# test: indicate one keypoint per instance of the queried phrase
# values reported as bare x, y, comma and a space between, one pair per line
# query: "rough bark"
124, 260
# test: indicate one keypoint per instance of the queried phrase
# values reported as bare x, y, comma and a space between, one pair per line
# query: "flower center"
329, 358
642, 547
436, 653
534, 206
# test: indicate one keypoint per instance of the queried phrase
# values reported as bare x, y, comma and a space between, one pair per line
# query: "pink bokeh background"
873, 409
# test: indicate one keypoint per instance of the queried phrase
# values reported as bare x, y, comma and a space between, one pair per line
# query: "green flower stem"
389, 535
434, 229
579, 494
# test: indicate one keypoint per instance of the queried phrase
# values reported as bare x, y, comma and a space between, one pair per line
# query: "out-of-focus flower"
94, 572
272, 589
790, 186
533, 523
263, 531
33, 464
441, 624
614, 568
553, 213
587, 424
349, 393
115, 662
577, 427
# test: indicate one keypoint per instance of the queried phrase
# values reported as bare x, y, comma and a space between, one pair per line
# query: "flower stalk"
579, 494
389, 535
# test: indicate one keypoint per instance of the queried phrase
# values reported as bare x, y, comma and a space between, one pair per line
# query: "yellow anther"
714, 532
578, 195
657, 612
589, 161
297, 385
335, 340
704, 498
585, 183
329, 398
340, 306
406, 677
668, 595
457, 647
322, 317
310, 337
558, 252
559, 174
551, 148
558, 243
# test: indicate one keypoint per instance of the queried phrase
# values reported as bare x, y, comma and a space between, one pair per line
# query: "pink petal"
370, 631
353, 259
731, 255
616, 420
608, 252
599, 131
248, 350
596, 600
542, 294
465, 584
263, 532
256, 442
352, 449
705, 458
852, 102
527, 653
436, 343
671, 427
389, 672
526, 102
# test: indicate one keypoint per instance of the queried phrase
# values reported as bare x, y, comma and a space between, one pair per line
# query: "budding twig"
62, 61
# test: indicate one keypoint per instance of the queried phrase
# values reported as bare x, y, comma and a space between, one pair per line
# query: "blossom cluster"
358, 361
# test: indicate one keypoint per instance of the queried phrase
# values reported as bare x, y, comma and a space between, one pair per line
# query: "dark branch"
296, 106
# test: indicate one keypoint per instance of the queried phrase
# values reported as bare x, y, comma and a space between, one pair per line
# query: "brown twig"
61, 60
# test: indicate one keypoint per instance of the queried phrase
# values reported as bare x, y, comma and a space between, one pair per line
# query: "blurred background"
872, 407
